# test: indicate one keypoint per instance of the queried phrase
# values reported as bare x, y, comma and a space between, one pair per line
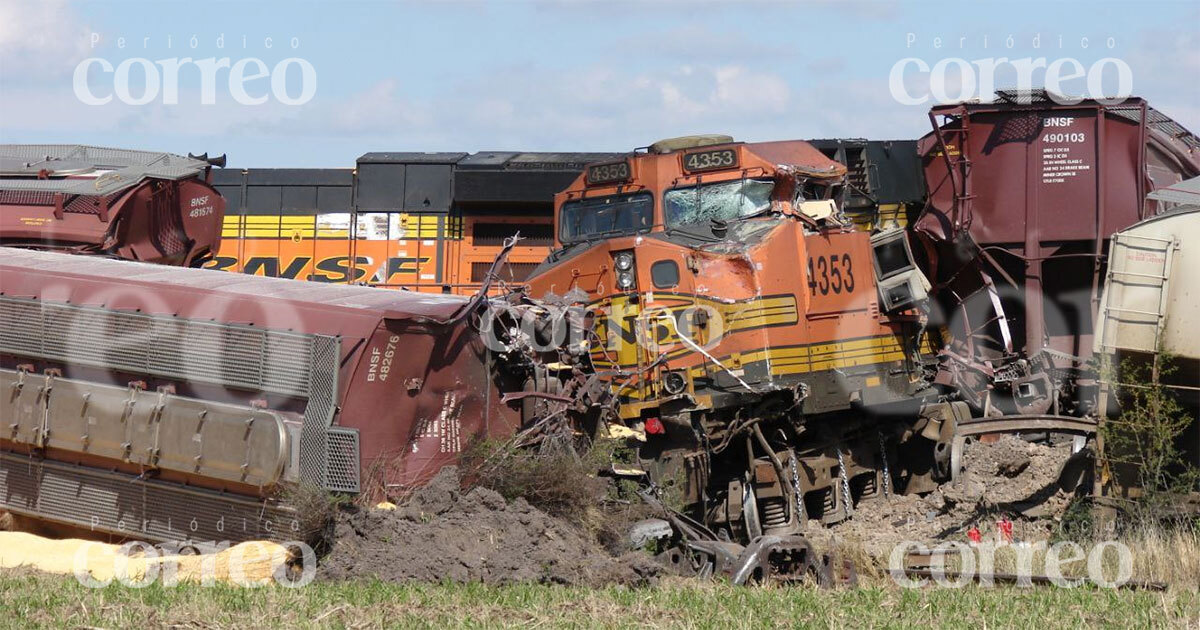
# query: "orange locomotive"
767, 349
430, 222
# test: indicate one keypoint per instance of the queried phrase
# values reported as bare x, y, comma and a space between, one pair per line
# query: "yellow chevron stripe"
819, 357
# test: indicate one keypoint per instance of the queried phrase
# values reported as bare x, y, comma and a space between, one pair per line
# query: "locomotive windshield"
605, 216
721, 201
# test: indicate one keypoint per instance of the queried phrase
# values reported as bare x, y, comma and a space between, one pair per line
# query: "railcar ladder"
1120, 278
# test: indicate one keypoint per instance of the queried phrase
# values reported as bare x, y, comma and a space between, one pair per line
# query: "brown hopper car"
138, 205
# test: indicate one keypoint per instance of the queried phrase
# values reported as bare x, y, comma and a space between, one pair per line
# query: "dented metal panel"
1039, 188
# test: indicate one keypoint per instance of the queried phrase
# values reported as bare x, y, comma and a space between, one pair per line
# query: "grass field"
36, 600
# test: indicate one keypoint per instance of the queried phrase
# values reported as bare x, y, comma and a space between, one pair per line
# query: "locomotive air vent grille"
343, 460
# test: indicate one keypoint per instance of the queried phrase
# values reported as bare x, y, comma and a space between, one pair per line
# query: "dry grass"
556, 481
1171, 556
1167, 556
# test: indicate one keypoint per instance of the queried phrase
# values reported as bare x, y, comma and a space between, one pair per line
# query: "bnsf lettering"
338, 269
270, 267
380, 363
200, 207
332, 269
373, 366
222, 263
409, 265
831, 274
1059, 121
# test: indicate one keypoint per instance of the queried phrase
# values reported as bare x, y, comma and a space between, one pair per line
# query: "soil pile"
1007, 479
445, 533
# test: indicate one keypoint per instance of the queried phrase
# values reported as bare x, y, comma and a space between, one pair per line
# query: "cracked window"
722, 201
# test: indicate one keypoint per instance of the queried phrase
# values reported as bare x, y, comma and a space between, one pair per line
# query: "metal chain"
847, 501
803, 518
887, 473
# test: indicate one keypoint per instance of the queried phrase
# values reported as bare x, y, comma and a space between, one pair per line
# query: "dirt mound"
1009, 478
445, 533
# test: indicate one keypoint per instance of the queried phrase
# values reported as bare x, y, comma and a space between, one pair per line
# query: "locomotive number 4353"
832, 273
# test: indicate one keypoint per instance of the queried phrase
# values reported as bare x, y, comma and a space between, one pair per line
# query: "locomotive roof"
76, 169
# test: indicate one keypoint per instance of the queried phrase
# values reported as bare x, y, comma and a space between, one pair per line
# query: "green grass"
36, 600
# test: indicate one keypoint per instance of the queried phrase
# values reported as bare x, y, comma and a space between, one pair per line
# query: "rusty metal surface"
1028, 424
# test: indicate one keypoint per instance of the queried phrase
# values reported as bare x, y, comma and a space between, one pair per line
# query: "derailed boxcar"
172, 404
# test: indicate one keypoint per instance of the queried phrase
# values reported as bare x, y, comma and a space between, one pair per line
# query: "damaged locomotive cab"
741, 327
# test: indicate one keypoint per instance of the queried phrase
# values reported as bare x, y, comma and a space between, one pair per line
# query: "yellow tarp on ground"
247, 564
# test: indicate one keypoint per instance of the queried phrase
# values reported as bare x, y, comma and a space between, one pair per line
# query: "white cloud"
591, 109
40, 38
1166, 64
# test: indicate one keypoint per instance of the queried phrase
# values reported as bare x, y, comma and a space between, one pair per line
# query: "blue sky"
567, 75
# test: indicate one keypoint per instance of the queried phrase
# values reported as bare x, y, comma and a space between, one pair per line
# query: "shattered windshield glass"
722, 201
605, 216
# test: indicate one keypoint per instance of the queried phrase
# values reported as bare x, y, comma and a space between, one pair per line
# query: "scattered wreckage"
783, 365
777, 362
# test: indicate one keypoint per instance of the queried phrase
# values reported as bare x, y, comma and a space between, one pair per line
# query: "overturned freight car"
137, 205
171, 404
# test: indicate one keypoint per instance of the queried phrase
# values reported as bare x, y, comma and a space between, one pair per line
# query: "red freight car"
1024, 195
138, 205
1041, 186
172, 404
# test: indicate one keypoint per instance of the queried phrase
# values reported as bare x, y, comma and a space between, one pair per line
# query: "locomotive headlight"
624, 280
